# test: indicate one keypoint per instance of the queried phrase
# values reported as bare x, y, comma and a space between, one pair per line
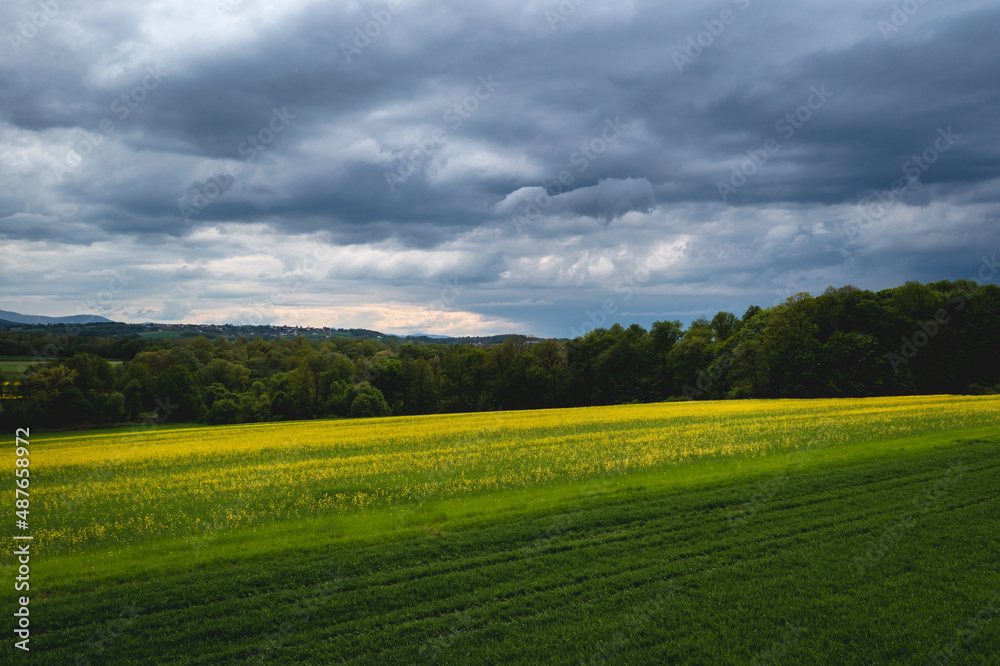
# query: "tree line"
913, 339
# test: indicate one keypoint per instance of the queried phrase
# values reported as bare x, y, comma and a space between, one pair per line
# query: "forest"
913, 339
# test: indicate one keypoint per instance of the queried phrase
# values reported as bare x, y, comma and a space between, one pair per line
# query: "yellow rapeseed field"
111, 489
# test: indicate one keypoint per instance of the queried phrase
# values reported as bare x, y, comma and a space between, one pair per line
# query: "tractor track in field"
615, 551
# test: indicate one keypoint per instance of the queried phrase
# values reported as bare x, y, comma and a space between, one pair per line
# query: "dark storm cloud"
606, 201
889, 97
751, 129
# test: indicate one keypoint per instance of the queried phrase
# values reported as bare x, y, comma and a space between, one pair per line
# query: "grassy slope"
719, 562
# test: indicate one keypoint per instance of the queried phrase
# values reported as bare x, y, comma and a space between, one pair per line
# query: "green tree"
550, 359
234, 377
247, 403
462, 379
725, 325
621, 371
369, 402
262, 408
688, 363
283, 406
93, 372
51, 381
310, 382
110, 407
421, 386
752, 312
178, 385
215, 392
53, 396
133, 399
139, 375
794, 366
851, 365
664, 335
225, 411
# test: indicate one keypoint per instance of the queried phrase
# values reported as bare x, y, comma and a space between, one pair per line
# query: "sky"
457, 168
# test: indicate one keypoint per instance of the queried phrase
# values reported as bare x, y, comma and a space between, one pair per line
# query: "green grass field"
835, 550
17, 365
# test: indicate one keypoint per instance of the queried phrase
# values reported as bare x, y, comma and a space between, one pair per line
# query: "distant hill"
16, 318
103, 328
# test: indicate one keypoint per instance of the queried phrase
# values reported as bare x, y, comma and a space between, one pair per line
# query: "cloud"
114, 116
610, 199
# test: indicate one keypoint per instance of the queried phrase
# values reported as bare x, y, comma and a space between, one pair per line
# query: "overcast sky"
472, 168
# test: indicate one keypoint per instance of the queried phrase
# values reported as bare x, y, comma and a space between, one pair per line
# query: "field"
822, 531
17, 365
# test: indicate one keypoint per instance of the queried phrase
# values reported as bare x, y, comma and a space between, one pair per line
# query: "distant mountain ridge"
17, 318
78, 326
